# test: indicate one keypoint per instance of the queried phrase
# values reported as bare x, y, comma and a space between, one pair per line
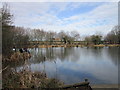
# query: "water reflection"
73, 65
51, 54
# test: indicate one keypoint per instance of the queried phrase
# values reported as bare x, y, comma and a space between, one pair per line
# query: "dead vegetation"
16, 56
28, 79
20, 56
24, 78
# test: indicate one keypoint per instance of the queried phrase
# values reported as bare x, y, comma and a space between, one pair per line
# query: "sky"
87, 18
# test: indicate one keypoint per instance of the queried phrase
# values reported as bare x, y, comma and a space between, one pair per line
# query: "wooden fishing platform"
82, 86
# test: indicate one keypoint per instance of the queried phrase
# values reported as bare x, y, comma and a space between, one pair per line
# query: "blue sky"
85, 17
80, 8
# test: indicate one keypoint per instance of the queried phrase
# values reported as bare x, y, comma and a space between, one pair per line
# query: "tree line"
19, 36
113, 37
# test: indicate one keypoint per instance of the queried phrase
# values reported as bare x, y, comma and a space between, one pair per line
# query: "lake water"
73, 65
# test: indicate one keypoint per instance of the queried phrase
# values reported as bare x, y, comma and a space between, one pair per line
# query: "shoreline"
71, 45
105, 86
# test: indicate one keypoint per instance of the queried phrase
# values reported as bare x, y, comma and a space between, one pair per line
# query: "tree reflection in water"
74, 64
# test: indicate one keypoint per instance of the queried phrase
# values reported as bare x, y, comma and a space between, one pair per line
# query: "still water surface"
73, 65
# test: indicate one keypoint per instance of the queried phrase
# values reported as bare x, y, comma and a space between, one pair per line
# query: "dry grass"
100, 45
25, 78
69, 45
19, 56
108, 45
28, 79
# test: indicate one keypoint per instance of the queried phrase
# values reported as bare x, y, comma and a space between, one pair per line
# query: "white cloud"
87, 22
44, 15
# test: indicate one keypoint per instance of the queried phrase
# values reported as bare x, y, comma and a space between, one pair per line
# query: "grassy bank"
107, 45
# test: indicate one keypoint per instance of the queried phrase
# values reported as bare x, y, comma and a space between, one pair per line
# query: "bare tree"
20, 38
75, 35
113, 37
